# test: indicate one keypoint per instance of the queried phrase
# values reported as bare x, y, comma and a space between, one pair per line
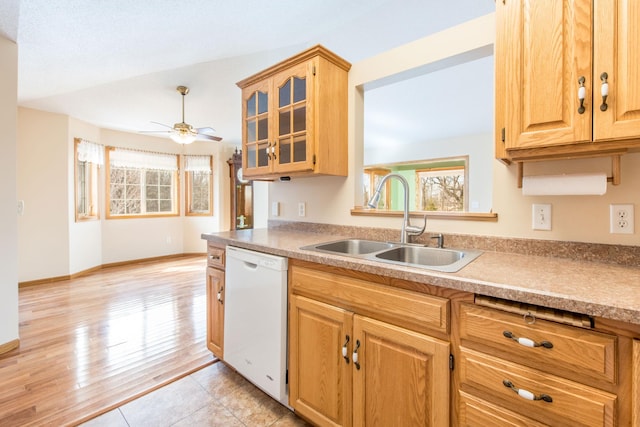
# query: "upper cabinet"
294, 117
567, 78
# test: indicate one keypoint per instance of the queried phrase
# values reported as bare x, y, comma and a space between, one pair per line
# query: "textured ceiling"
116, 63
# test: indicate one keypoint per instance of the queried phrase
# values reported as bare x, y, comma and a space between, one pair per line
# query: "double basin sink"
439, 259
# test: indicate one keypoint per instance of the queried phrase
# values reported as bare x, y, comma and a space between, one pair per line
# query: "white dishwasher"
255, 319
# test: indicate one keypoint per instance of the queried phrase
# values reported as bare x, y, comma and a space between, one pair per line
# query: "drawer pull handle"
526, 394
527, 342
215, 257
354, 356
344, 349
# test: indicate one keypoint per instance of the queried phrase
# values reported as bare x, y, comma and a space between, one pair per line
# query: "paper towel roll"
565, 185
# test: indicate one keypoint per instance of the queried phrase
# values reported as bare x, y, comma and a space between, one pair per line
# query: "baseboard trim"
8, 346
103, 266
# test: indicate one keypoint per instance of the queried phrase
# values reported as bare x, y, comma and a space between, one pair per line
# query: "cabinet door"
548, 50
319, 375
257, 144
616, 53
215, 311
403, 376
293, 120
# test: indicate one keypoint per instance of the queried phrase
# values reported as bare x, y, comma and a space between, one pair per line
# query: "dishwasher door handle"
250, 265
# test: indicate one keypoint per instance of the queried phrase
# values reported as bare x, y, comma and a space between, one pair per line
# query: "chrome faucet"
408, 230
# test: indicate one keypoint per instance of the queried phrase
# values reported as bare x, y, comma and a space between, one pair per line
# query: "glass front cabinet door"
295, 117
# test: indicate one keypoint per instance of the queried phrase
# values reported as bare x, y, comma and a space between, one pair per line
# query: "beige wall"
51, 244
574, 218
8, 199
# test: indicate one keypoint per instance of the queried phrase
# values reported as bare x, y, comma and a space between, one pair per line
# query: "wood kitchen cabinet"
294, 117
354, 357
215, 299
549, 54
516, 369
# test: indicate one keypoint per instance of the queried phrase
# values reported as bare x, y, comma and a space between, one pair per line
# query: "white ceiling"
116, 63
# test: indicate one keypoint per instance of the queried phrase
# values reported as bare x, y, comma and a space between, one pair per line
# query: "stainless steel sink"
445, 260
351, 246
448, 260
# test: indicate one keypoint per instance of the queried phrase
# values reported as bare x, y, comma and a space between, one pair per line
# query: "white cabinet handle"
526, 394
526, 341
604, 91
354, 356
582, 94
344, 349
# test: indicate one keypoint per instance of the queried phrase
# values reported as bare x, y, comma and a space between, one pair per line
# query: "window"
199, 185
440, 189
89, 157
141, 184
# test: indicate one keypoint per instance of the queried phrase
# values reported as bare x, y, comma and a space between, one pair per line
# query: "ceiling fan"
184, 133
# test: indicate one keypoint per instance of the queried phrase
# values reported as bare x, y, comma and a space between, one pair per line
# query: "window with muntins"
199, 185
89, 157
141, 184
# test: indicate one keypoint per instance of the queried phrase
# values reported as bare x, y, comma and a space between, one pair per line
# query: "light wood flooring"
90, 344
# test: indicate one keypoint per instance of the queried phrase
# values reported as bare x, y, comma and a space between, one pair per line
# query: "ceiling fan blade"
156, 132
206, 130
162, 124
211, 137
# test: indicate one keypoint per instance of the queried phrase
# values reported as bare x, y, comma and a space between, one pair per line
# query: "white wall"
42, 182
575, 218
8, 196
85, 237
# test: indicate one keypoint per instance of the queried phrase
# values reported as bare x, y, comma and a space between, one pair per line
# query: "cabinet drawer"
575, 352
570, 403
476, 412
215, 257
412, 310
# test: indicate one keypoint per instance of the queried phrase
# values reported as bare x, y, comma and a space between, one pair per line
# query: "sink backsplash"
593, 252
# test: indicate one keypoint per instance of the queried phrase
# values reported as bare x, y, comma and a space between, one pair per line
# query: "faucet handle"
412, 230
440, 238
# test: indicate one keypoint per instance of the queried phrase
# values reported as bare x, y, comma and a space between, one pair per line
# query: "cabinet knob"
582, 93
220, 296
604, 91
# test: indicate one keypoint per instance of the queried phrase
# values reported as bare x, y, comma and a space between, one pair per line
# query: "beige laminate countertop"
595, 289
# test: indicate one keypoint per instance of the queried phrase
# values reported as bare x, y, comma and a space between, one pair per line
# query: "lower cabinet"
348, 368
215, 301
215, 311
520, 370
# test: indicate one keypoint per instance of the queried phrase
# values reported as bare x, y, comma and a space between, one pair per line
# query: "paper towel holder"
613, 179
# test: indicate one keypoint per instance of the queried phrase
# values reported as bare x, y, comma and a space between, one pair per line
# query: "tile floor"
212, 396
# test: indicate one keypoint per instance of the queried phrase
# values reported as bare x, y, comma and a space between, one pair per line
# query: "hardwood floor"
90, 344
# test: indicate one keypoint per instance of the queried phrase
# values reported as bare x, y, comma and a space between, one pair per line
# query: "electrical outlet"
541, 217
621, 219
302, 209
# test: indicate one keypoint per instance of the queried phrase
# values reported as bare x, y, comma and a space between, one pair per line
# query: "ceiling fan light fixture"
182, 137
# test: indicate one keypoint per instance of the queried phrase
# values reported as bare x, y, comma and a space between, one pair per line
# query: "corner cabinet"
360, 352
555, 61
294, 117
215, 299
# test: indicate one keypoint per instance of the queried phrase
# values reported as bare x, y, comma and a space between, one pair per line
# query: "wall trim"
8, 346
103, 266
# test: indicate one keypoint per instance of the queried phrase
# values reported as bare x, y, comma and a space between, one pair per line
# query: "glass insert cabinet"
294, 117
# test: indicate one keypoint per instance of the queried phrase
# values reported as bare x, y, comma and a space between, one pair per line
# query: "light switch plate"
275, 208
541, 217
